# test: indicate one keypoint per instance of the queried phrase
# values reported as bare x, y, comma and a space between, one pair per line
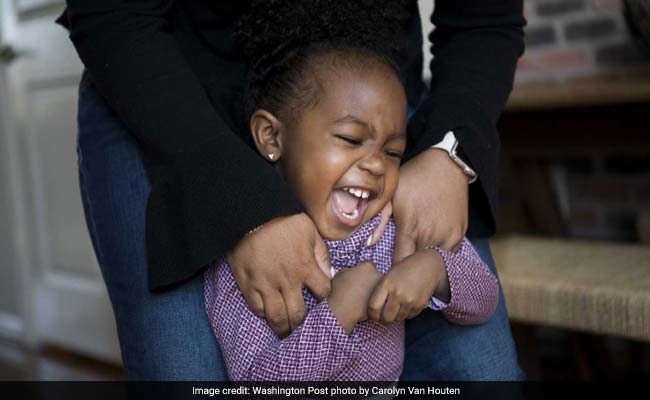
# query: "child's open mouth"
350, 204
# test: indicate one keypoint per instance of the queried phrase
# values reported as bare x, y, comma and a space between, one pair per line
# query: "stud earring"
271, 156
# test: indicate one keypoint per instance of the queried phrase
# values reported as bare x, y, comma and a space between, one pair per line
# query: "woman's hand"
406, 289
274, 263
386, 213
430, 204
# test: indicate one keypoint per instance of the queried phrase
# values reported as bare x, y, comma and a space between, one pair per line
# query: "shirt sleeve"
208, 187
475, 47
317, 350
474, 289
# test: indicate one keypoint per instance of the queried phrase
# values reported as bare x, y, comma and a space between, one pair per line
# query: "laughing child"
328, 107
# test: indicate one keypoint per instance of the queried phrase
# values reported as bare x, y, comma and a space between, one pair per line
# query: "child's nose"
374, 163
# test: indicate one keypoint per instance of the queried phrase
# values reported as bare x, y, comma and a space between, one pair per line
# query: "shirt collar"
345, 252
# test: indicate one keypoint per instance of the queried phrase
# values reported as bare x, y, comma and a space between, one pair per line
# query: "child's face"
342, 157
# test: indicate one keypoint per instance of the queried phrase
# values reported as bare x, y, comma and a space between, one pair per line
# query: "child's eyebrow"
351, 119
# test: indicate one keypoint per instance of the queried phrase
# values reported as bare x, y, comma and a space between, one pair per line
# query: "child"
327, 105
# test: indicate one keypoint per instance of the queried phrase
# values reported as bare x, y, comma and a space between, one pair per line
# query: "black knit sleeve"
207, 186
475, 45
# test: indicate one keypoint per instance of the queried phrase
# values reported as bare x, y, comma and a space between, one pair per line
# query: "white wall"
426, 9
9, 281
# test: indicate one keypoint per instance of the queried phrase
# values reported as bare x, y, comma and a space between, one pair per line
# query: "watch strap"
449, 143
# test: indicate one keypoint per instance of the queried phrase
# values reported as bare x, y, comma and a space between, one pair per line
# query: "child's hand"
406, 289
351, 289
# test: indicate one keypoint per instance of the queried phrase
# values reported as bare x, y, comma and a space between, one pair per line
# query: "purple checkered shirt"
319, 349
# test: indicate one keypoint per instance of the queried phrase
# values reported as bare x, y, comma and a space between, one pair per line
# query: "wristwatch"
449, 144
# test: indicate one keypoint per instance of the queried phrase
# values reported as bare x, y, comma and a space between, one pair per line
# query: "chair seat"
598, 287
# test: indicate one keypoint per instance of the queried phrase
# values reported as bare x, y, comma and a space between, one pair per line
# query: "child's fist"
406, 289
351, 289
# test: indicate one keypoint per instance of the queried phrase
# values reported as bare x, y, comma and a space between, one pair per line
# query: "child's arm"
459, 284
316, 350
474, 290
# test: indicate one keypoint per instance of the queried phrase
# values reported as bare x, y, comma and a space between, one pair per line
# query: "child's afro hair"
278, 36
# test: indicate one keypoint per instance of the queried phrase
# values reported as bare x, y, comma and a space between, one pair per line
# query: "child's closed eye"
348, 139
358, 142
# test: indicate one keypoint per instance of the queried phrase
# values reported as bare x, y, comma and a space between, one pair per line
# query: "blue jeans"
167, 336
163, 336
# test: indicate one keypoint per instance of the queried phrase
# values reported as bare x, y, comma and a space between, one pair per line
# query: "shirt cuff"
436, 304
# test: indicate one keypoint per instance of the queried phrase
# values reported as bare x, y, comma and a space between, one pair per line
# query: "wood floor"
52, 364
545, 354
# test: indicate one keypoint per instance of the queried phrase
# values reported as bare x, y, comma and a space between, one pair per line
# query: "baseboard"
11, 327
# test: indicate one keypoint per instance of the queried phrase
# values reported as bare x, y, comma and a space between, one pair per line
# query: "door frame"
63, 307
19, 327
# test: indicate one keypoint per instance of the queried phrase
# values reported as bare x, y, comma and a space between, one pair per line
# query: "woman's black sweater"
174, 76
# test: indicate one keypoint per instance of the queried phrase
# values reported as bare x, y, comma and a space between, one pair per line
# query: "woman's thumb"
322, 256
386, 213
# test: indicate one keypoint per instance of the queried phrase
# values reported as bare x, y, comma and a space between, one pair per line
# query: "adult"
164, 155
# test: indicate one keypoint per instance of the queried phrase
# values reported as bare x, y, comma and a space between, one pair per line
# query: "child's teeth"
360, 193
354, 214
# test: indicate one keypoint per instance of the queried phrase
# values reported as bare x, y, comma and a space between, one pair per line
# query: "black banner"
317, 390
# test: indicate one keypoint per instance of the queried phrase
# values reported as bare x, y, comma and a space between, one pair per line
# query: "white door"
64, 300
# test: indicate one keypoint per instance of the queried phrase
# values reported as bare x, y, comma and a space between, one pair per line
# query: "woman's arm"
316, 350
208, 186
475, 44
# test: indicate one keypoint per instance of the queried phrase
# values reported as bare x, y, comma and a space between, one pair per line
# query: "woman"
164, 157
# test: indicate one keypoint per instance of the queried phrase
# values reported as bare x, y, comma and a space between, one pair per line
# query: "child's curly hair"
282, 39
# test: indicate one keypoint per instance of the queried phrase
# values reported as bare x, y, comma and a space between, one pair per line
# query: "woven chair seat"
597, 287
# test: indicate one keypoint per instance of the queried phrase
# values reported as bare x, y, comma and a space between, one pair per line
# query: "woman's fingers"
255, 303
317, 282
275, 312
295, 304
271, 262
386, 213
322, 256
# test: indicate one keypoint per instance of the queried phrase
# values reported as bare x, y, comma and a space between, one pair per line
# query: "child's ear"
266, 129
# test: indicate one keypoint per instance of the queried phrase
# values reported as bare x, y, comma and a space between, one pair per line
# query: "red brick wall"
576, 38
602, 191
608, 197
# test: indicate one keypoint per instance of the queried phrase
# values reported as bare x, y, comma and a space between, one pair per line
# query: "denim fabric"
163, 336
438, 350
167, 336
